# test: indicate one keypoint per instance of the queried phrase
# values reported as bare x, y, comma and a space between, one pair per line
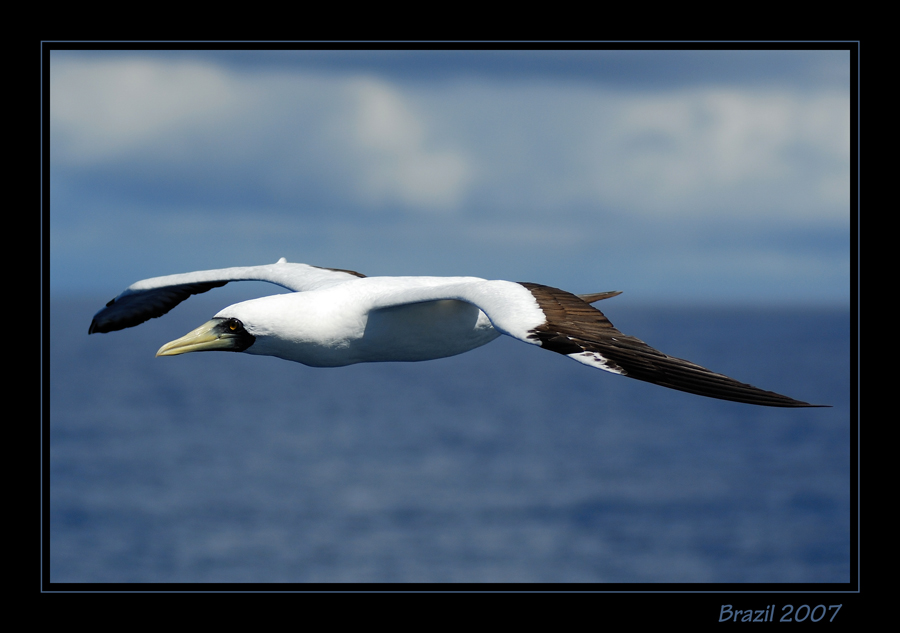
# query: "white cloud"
505, 148
103, 108
722, 149
398, 162
286, 125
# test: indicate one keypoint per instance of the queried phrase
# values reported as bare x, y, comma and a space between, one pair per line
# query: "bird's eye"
233, 325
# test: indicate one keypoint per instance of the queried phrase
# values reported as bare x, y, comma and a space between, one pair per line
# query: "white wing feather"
154, 297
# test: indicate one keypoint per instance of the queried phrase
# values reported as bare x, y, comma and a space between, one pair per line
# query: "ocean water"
506, 464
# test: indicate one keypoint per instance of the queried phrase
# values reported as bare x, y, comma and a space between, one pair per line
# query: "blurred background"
712, 187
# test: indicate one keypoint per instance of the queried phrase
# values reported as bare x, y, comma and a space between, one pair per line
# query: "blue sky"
688, 176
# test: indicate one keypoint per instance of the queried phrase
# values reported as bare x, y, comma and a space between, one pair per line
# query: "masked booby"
337, 317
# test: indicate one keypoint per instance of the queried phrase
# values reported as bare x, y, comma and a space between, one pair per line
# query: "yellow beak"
211, 336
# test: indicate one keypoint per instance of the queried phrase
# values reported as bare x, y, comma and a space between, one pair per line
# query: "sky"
718, 177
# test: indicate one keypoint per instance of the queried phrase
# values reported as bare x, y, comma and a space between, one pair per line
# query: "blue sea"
508, 464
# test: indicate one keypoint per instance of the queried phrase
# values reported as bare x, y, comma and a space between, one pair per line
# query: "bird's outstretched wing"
583, 333
567, 324
154, 297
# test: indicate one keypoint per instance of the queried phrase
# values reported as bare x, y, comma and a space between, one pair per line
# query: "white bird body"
337, 317
351, 323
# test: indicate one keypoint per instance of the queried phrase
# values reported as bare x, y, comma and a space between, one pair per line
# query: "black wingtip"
799, 404
96, 327
132, 308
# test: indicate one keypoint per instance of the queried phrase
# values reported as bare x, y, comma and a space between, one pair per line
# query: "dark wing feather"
154, 297
342, 270
599, 296
134, 308
573, 327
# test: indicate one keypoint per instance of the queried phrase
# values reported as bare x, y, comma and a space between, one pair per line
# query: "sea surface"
507, 464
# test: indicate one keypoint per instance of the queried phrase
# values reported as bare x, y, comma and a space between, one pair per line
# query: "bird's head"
287, 326
218, 334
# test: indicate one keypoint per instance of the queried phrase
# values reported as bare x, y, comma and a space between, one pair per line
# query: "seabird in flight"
338, 317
